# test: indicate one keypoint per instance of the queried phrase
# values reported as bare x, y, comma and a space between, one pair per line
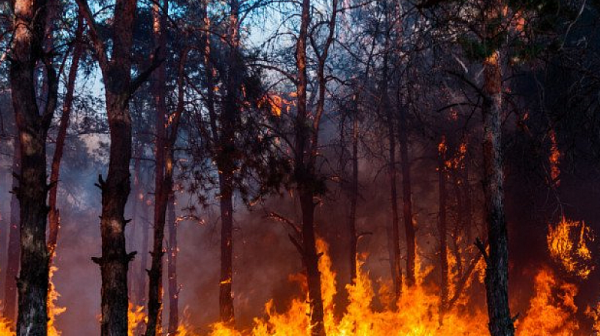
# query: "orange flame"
568, 246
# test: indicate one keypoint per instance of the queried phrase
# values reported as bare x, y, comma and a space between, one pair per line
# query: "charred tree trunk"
409, 226
226, 203
164, 191
459, 226
354, 199
162, 184
442, 194
311, 262
229, 123
303, 176
54, 215
26, 51
140, 217
395, 229
496, 275
388, 119
172, 268
13, 253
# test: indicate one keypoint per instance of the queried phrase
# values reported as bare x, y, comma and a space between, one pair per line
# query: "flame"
554, 159
53, 309
552, 309
276, 103
568, 246
418, 312
136, 318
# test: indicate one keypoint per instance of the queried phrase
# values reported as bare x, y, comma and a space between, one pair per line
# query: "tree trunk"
304, 177
311, 262
119, 87
114, 262
496, 276
395, 229
409, 227
354, 200
162, 184
172, 267
54, 215
13, 255
140, 211
26, 51
442, 194
226, 202
229, 123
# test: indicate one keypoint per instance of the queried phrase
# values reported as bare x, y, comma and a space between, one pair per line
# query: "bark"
13, 253
140, 211
468, 214
226, 203
162, 184
172, 268
395, 229
496, 277
306, 152
388, 118
354, 200
311, 262
409, 226
229, 123
163, 193
304, 176
442, 194
459, 226
119, 86
54, 214
26, 51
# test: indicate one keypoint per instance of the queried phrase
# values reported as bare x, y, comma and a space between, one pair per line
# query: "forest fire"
299, 168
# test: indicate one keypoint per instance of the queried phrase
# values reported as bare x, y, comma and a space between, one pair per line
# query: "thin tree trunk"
409, 227
395, 239
54, 215
387, 117
162, 188
229, 123
459, 226
172, 267
13, 253
304, 175
468, 202
442, 194
496, 276
26, 50
226, 202
140, 215
354, 199
163, 194
311, 262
